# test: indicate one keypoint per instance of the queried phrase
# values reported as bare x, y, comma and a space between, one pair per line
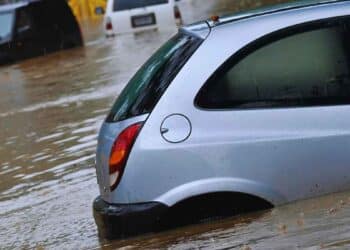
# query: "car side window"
305, 66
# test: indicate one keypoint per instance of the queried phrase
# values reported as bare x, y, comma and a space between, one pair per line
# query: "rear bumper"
124, 220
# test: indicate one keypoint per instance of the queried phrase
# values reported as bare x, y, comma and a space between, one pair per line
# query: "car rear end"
125, 16
116, 212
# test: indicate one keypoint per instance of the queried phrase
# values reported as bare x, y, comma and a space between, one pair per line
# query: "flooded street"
51, 109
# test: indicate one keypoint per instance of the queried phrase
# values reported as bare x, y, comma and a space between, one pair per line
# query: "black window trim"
260, 42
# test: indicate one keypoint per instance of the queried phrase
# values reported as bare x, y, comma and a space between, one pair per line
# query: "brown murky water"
50, 111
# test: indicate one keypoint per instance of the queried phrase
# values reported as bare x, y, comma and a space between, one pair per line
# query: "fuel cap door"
176, 128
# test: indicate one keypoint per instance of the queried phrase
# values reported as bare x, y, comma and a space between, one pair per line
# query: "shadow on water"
51, 109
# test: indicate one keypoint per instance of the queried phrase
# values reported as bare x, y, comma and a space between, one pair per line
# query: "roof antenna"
215, 19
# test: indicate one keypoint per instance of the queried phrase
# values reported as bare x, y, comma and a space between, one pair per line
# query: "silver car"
233, 114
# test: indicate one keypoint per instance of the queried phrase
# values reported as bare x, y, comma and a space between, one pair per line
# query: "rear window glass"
149, 83
6, 23
133, 4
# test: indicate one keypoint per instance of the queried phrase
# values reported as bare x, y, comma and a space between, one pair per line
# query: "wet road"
50, 111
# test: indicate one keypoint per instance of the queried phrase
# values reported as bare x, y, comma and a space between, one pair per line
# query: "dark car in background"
34, 28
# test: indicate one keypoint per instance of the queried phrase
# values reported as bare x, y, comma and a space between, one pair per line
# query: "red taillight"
120, 153
177, 12
109, 26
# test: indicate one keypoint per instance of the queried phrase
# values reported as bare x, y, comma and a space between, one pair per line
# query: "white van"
125, 16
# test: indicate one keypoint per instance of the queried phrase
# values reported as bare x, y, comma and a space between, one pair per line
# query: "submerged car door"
280, 111
26, 40
56, 24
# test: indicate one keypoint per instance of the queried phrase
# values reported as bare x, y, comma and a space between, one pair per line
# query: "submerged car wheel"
213, 206
125, 220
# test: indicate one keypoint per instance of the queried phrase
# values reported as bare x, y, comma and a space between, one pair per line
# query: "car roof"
270, 9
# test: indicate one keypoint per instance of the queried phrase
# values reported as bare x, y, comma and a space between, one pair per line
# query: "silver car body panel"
280, 155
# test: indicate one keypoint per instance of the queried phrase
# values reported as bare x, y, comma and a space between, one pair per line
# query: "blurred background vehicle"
125, 16
87, 9
34, 28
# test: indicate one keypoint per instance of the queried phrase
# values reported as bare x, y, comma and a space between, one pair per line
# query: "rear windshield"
133, 4
6, 23
149, 83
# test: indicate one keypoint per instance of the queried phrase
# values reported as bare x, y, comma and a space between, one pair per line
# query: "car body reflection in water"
51, 109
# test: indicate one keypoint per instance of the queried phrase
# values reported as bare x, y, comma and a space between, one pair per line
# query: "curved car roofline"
202, 29
13, 6
270, 10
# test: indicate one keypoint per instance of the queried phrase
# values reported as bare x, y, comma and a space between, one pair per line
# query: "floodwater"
51, 109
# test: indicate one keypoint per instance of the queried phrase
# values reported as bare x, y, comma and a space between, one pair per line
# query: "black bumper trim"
125, 220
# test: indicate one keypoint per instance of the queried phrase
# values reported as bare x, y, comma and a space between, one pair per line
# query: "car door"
279, 109
26, 42
46, 16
